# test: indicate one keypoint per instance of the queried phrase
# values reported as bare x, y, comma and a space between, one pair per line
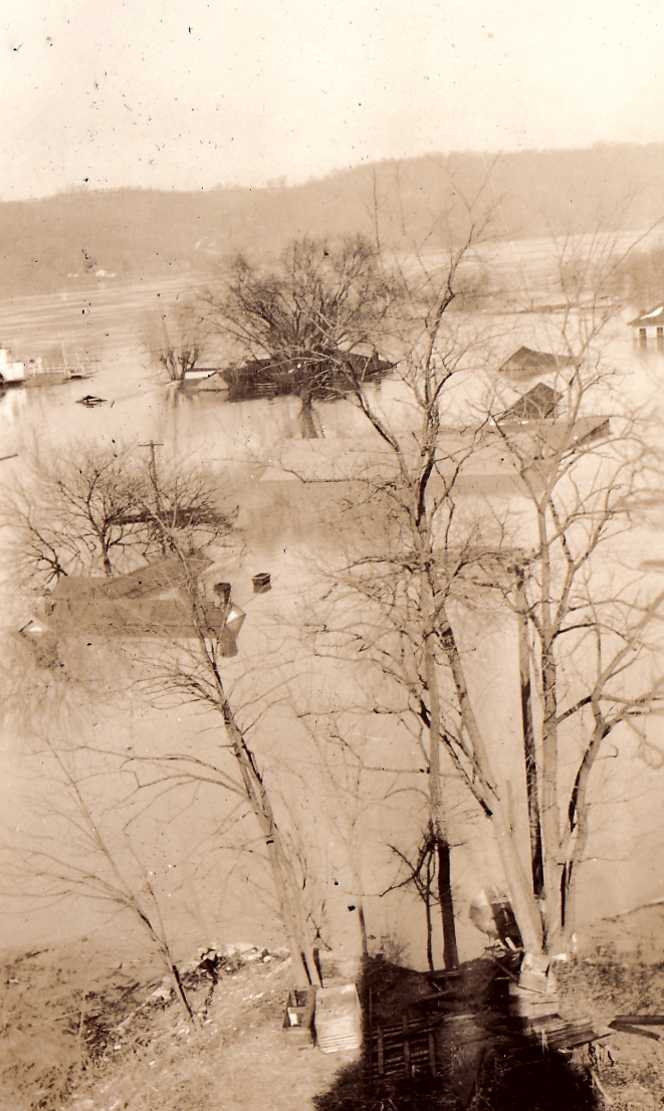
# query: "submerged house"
12, 371
150, 602
319, 375
192, 376
649, 325
526, 362
539, 403
538, 416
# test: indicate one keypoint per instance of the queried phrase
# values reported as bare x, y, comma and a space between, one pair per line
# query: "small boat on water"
91, 401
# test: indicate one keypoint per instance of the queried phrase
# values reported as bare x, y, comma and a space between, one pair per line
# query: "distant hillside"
67, 239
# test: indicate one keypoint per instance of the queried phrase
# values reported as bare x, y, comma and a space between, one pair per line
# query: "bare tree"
421, 874
178, 655
69, 513
191, 670
179, 339
82, 855
97, 507
591, 623
587, 657
291, 319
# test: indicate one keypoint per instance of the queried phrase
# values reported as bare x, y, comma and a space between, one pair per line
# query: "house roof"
539, 403
147, 602
653, 317
283, 372
200, 372
122, 617
153, 578
557, 435
526, 360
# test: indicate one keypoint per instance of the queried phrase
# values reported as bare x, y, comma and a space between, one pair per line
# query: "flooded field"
242, 442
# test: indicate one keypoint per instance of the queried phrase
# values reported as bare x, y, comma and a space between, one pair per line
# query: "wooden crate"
299, 1013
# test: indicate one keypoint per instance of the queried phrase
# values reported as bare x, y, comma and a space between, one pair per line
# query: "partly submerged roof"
526, 360
151, 601
162, 575
539, 403
653, 317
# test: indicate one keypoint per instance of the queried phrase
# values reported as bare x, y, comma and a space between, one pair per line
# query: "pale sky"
190, 93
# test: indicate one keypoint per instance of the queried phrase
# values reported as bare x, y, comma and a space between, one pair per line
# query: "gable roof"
150, 601
153, 578
653, 317
539, 403
526, 360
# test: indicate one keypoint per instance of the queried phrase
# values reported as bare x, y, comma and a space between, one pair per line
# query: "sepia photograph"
332, 556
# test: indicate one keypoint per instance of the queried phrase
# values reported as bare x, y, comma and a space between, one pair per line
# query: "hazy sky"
189, 93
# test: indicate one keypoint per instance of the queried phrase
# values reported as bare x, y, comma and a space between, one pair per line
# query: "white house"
649, 325
10, 369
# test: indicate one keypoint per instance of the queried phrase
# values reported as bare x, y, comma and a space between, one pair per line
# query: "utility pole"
152, 445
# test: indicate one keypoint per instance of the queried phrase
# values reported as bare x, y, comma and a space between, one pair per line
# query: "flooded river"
215, 895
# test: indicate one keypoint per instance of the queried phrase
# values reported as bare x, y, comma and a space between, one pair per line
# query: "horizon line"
284, 182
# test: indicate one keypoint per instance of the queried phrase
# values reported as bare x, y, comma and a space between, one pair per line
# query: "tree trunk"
445, 898
288, 896
550, 817
363, 928
106, 560
179, 990
429, 919
437, 813
520, 885
530, 755
310, 430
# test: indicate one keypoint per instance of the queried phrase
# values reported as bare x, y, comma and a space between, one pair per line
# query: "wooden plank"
381, 1054
630, 1028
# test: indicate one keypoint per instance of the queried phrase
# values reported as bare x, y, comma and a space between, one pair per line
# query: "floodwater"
208, 889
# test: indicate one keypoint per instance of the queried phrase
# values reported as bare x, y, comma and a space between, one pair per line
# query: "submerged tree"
85, 853
291, 320
92, 509
189, 669
389, 605
178, 339
398, 603
168, 627
592, 623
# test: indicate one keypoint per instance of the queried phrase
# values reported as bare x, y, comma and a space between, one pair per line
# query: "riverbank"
86, 1029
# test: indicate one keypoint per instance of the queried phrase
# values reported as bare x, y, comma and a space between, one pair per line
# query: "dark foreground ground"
81, 1032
